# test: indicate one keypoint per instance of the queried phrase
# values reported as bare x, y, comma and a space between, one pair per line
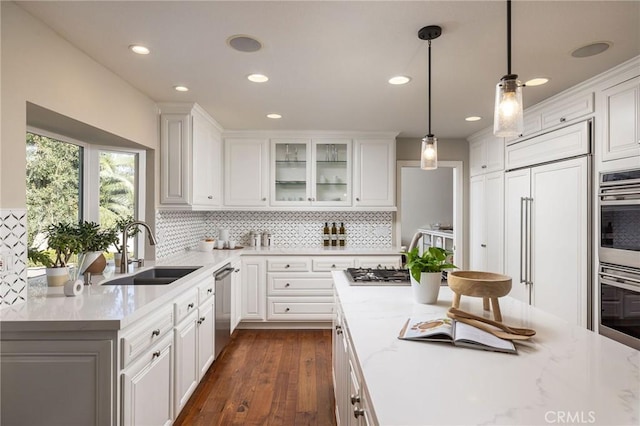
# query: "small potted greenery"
426, 272
93, 242
121, 223
63, 240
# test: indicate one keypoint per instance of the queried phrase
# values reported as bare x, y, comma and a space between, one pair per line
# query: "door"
560, 242
374, 176
290, 172
494, 220
186, 348
207, 162
246, 172
331, 173
477, 224
517, 191
621, 122
206, 335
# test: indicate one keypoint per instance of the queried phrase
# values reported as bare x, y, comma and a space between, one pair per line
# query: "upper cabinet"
486, 153
621, 115
311, 172
246, 173
190, 158
375, 171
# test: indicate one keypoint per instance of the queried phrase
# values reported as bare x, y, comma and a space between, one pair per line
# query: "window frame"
89, 208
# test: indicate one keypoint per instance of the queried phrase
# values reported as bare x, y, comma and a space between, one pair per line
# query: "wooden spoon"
513, 330
488, 329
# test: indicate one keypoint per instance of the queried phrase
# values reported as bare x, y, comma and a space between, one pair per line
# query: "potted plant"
426, 272
62, 238
92, 243
121, 223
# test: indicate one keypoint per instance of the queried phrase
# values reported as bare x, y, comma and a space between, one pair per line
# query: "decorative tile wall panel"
288, 229
13, 247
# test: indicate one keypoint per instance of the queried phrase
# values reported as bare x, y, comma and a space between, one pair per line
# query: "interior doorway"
428, 197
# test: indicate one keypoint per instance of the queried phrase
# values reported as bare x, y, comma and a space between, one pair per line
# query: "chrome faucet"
124, 262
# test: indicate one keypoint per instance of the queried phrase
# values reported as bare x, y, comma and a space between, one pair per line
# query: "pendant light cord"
429, 91
508, 37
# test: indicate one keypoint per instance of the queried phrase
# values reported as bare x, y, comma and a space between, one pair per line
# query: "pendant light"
507, 116
429, 151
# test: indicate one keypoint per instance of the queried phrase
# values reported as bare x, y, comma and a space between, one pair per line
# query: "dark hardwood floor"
267, 377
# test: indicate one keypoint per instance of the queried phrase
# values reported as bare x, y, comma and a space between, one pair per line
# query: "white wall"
427, 197
40, 67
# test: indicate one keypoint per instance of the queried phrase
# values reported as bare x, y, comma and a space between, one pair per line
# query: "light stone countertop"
105, 307
563, 375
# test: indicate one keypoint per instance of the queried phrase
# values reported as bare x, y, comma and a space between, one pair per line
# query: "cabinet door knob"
309, 199
264, 199
484, 166
156, 354
209, 290
210, 197
357, 198
201, 320
357, 412
483, 245
191, 305
155, 332
355, 399
563, 119
237, 270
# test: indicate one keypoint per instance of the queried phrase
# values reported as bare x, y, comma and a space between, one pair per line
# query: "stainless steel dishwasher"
223, 307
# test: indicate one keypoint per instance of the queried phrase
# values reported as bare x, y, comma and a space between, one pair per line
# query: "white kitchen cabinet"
546, 241
311, 172
206, 336
187, 372
374, 173
486, 247
38, 376
567, 110
253, 289
147, 387
621, 127
190, 158
246, 172
486, 153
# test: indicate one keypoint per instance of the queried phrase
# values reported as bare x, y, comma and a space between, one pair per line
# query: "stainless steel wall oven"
619, 254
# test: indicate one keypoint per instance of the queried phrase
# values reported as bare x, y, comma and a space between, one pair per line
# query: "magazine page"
428, 329
470, 336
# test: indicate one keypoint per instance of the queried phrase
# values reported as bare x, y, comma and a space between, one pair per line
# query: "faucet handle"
139, 262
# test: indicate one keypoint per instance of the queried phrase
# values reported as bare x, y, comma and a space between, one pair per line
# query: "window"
69, 180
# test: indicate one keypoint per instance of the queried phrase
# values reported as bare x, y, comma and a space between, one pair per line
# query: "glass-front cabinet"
311, 172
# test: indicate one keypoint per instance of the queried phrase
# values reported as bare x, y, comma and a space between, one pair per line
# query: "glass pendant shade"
429, 156
507, 116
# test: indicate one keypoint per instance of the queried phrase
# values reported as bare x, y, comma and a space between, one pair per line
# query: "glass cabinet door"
332, 174
291, 172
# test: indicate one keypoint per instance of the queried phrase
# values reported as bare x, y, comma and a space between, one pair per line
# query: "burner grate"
370, 275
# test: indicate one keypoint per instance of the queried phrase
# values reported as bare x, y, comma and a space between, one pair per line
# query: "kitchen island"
563, 375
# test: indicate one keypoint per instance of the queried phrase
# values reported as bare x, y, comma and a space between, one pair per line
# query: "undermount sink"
153, 276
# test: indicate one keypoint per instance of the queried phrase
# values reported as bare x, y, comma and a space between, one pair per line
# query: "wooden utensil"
509, 329
489, 329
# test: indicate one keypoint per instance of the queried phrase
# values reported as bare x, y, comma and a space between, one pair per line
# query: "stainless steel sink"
154, 276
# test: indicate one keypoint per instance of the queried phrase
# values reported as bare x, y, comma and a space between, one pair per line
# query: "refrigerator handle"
523, 278
529, 247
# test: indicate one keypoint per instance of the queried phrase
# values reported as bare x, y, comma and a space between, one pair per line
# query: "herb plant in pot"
426, 272
62, 239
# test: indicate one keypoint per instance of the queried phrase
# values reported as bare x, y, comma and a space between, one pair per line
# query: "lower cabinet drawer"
284, 284
300, 308
328, 264
136, 341
288, 264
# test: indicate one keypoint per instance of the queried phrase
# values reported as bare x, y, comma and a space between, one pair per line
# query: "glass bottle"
342, 235
326, 239
334, 235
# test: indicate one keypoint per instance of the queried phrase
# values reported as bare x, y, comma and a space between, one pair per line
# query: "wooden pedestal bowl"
487, 285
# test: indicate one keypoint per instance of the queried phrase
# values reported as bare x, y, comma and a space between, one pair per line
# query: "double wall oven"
619, 255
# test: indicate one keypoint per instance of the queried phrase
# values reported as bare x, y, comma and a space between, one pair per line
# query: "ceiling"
329, 61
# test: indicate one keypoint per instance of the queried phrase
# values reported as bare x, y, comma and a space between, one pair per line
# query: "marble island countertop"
563, 375
106, 307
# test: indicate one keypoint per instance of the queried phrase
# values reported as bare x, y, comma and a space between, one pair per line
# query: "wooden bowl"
479, 284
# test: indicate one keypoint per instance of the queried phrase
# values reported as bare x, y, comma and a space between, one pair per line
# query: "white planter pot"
56, 277
86, 259
427, 290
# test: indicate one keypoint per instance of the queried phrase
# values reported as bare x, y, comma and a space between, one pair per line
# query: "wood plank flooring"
267, 377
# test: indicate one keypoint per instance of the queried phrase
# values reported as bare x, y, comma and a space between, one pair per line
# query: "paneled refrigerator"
547, 222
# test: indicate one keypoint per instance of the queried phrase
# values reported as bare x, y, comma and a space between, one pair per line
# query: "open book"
452, 331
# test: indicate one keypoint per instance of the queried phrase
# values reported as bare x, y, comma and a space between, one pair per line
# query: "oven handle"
619, 202
630, 287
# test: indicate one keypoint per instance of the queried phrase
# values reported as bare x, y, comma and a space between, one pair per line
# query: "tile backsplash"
13, 248
178, 230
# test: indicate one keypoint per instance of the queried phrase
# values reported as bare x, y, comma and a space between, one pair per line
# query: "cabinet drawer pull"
484, 166
201, 320
287, 309
155, 332
191, 305
209, 290
287, 285
156, 354
357, 198
287, 266
309, 199
355, 399
379, 266
237, 270
210, 197
333, 266
264, 199
563, 119
357, 412
483, 245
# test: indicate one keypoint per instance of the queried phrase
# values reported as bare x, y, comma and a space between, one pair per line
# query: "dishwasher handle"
223, 273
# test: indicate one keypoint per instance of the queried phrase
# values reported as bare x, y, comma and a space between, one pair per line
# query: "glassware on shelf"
295, 154
286, 152
327, 155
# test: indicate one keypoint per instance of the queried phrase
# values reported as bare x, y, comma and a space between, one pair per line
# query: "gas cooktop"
370, 276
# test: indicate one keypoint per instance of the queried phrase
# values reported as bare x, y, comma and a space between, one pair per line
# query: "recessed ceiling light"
258, 78
181, 88
139, 49
591, 49
244, 43
538, 81
399, 79
473, 118
274, 116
